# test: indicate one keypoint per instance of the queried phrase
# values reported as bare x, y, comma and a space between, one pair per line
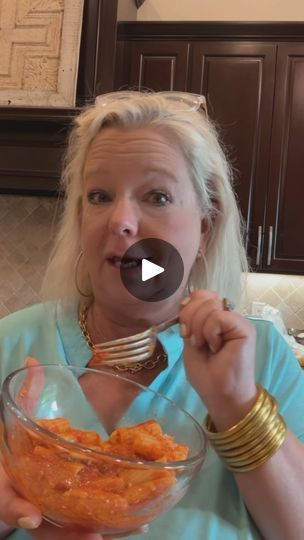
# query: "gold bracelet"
256, 431
242, 423
254, 439
255, 427
254, 464
260, 450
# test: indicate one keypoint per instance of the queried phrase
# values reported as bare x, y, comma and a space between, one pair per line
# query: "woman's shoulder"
30, 318
266, 333
274, 356
269, 341
262, 325
32, 331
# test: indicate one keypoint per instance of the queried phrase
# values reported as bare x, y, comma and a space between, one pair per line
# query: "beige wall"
126, 10
233, 10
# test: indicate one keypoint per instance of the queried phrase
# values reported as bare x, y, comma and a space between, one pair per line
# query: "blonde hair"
224, 260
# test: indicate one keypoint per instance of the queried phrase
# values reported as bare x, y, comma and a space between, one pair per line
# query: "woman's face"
136, 186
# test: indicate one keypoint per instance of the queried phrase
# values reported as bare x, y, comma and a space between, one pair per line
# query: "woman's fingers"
203, 306
31, 387
207, 326
14, 510
19, 513
219, 357
192, 307
30, 361
224, 327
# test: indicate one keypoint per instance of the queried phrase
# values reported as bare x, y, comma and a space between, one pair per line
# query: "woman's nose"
124, 218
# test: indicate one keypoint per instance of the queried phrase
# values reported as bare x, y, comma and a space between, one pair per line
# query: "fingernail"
185, 301
183, 330
27, 522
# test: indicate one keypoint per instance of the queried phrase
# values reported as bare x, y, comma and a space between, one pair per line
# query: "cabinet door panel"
285, 208
159, 65
237, 79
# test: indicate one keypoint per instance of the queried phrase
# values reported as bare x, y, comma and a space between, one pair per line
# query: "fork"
136, 348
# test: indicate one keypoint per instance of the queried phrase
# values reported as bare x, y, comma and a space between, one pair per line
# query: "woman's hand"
219, 357
15, 511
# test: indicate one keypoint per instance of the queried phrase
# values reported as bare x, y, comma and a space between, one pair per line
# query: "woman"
150, 165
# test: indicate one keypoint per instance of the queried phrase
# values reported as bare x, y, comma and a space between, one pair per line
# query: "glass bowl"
67, 445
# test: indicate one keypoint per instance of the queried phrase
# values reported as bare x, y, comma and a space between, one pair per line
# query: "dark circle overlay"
159, 287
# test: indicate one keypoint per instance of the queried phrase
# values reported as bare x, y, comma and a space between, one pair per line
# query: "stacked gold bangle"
252, 441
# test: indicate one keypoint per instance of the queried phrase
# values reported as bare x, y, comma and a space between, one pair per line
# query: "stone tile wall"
284, 292
27, 226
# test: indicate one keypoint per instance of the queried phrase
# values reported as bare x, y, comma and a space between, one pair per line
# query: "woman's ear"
207, 227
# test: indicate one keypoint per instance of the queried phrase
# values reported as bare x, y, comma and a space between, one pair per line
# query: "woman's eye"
99, 197
159, 198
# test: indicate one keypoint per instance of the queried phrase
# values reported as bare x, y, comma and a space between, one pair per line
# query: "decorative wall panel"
39, 44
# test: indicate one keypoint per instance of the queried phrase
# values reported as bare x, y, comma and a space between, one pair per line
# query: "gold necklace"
134, 367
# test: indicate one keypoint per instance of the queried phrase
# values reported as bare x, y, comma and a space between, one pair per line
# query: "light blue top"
213, 508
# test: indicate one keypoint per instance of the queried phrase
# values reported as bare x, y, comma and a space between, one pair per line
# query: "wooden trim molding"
201, 30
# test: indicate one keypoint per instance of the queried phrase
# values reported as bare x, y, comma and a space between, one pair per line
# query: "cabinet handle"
270, 245
259, 245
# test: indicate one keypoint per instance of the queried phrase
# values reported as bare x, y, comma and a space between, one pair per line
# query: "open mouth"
125, 262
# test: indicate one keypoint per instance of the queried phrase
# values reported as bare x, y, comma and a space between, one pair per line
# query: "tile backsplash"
284, 292
27, 226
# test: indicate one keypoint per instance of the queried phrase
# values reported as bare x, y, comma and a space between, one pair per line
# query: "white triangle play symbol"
150, 270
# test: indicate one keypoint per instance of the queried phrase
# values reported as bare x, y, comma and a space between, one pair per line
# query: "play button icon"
152, 269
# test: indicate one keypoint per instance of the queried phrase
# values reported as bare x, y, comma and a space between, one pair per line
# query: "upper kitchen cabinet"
33, 139
237, 79
284, 221
154, 65
253, 78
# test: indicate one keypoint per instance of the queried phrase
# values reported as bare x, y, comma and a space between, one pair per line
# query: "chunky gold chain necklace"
134, 367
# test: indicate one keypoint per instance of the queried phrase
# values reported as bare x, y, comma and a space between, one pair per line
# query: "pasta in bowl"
94, 450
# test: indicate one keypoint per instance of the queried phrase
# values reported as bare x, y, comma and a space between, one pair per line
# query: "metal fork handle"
140, 339
163, 326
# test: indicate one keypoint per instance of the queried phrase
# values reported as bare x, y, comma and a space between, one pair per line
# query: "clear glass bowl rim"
6, 397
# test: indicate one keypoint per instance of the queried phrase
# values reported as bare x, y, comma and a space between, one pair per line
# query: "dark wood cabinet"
284, 218
238, 80
158, 65
253, 79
